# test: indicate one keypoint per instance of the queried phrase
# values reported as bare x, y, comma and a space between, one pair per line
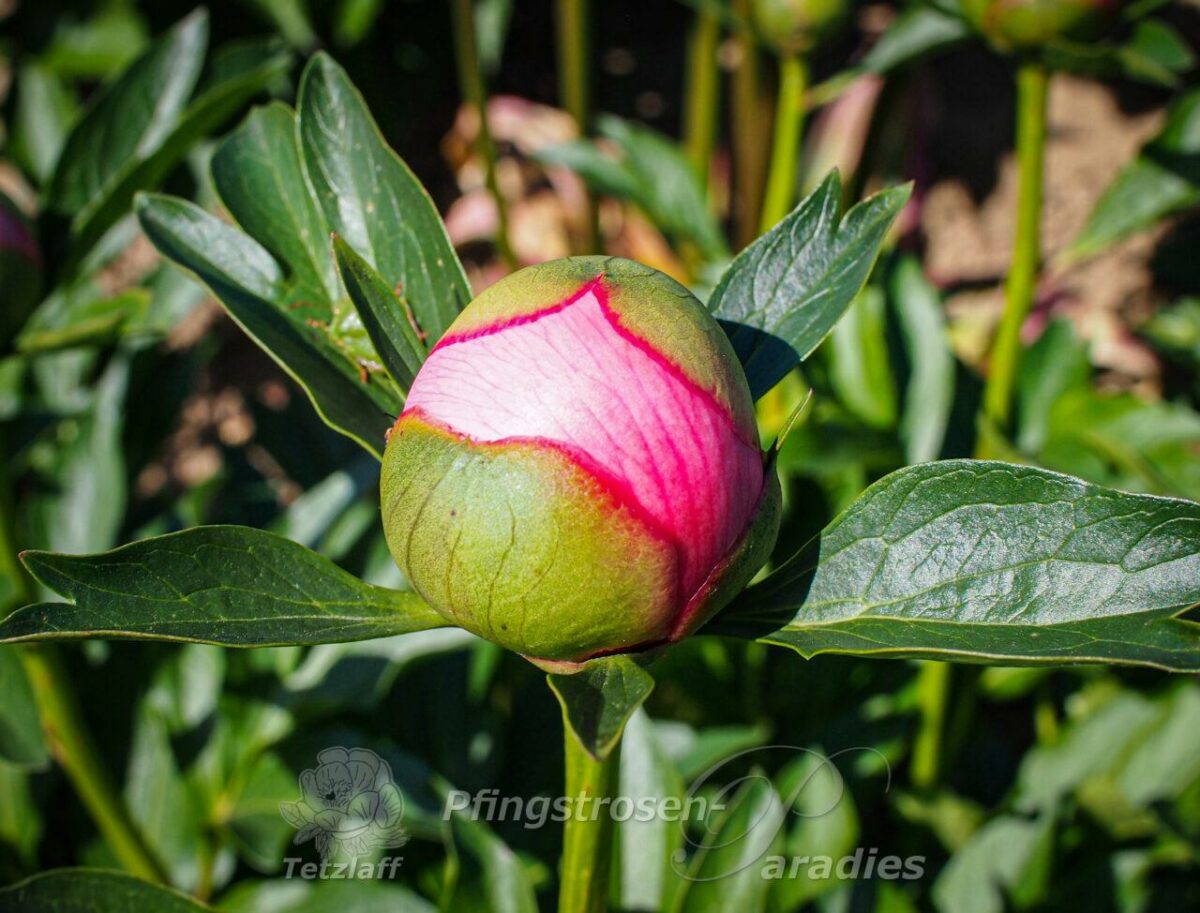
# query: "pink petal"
572, 377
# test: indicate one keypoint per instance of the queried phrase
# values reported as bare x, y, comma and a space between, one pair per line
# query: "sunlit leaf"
981, 561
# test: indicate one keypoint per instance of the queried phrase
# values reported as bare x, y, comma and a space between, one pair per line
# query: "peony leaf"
89, 890
598, 700
990, 562
782, 295
228, 585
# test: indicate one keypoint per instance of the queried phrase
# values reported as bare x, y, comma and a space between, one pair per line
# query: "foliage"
1063, 579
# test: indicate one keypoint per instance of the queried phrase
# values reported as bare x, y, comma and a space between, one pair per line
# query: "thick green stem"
1032, 82
701, 95
933, 689
748, 122
573, 87
474, 90
587, 838
66, 734
785, 149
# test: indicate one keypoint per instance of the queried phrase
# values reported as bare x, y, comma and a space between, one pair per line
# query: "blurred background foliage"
130, 406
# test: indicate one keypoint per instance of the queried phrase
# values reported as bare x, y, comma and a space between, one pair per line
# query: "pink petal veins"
571, 375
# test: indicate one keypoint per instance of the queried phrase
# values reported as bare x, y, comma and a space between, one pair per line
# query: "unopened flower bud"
576, 471
1016, 24
796, 26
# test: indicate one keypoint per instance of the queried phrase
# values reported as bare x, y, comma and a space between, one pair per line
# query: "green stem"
1032, 82
933, 689
748, 159
587, 837
785, 149
66, 733
573, 88
701, 95
473, 88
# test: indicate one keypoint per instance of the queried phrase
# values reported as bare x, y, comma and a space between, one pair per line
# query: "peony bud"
576, 471
1012, 24
796, 26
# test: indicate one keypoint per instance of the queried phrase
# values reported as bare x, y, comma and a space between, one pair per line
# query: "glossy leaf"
372, 199
990, 562
383, 315
1164, 179
598, 700
93, 891
129, 120
228, 585
249, 283
783, 294
21, 741
237, 76
259, 176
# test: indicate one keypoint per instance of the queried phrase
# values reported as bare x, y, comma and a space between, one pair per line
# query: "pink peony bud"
577, 471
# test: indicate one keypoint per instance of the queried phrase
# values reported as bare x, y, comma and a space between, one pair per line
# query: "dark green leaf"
258, 173
983, 561
93, 891
237, 76
228, 585
130, 118
373, 201
597, 701
382, 314
248, 282
21, 741
784, 293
